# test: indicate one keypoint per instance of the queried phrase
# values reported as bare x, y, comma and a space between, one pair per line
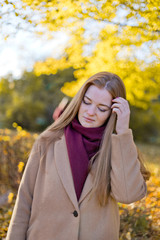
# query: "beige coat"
47, 209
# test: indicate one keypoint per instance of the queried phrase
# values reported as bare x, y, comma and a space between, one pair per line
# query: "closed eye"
86, 102
107, 108
103, 110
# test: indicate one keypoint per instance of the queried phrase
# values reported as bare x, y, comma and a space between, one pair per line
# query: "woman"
79, 168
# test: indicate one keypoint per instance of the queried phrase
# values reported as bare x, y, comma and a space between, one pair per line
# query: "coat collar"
65, 173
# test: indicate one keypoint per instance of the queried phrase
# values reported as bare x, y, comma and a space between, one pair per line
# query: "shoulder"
47, 139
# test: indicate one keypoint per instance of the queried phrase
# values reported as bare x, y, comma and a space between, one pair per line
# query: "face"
95, 107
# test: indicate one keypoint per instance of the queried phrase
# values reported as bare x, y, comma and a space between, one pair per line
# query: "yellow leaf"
10, 197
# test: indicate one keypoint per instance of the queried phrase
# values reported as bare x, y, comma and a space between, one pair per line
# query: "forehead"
100, 95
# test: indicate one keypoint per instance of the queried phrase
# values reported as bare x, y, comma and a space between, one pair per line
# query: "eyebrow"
104, 105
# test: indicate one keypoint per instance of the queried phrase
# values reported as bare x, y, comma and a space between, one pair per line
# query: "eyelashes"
87, 103
100, 109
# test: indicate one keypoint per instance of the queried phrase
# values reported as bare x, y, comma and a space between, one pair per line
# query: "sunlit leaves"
20, 166
142, 83
126, 26
10, 197
126, 42
14, 149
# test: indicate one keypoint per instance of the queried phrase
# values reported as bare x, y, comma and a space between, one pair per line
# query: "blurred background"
47, 50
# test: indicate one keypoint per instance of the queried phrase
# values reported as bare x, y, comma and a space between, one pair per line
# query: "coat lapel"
64, 170
87, 188
65, 173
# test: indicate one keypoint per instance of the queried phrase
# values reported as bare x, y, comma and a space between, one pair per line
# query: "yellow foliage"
19, 128
14, 124
5, 138
14, 151
119, 34
10, 197
20, 167
51, 66
128, 236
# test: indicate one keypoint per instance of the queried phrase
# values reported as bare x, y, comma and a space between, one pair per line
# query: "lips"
88, 119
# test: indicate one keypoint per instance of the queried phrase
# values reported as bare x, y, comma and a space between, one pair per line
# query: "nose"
91, 111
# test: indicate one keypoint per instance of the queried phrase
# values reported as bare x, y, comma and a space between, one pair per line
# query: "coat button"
75, 213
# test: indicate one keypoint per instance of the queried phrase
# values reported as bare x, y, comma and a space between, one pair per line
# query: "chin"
87, 125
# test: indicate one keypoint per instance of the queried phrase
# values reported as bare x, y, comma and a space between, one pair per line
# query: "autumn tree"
117, 36
120, 36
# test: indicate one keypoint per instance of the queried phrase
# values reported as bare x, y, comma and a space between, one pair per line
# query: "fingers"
117, 111
120, 106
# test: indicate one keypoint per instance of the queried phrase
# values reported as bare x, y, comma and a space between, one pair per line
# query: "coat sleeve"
21, 213
127, 183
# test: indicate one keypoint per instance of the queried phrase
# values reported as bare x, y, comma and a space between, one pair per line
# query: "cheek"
80, 112
82, 108
103, 117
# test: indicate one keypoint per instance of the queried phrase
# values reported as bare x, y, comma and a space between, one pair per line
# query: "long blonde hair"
100, 164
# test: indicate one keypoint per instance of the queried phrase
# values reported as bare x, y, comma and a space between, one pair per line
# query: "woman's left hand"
121, 107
